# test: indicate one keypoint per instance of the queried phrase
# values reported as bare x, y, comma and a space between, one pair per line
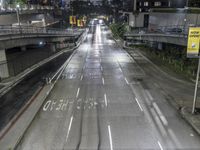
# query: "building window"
146, 3
157, 3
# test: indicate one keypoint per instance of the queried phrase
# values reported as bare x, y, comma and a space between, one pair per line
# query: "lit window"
157, 3
146, 3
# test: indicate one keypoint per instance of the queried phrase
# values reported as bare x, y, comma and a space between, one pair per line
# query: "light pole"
187, 3
18, 17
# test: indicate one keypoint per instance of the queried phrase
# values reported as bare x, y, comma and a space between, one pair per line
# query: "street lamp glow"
17, 6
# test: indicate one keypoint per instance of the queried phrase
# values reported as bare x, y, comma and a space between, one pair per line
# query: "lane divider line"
69, 128
110, 137
105, 98
161, 148
139, 104
77, 93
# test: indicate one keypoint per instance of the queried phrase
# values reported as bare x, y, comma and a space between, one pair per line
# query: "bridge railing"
173, 29
7, 30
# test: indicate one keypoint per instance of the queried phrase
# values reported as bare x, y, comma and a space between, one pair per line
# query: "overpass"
20, 36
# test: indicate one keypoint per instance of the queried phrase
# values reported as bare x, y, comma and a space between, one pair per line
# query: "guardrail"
12, 8
173, 29
5, 30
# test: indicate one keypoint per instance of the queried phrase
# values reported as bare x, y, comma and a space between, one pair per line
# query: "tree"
194, 3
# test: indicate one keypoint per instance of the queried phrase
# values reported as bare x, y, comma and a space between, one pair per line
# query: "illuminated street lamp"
18, 17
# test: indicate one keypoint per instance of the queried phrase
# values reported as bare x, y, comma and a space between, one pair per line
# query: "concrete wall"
136, 20
173, 19
3, 64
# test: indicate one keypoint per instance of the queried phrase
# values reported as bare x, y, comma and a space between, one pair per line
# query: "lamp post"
18, 17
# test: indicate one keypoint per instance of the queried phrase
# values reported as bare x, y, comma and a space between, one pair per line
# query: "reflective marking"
139, 104
191, 134
110, 138
70, 124
105, 98
81, 77
160, 146
160, 114
120, 69
126, 81
103, 81
77, 92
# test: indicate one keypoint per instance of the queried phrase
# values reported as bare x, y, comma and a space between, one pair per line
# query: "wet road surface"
99, 104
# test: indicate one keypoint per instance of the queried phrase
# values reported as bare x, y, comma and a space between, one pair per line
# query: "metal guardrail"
173, 29
9, 30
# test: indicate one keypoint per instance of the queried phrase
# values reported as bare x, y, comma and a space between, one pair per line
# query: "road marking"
149, 95
77, 92
70, 124
105, 98
110, 138
120, 69
139, 104
101, 68
81, 77
160, 146
103, 81
126, 80
160, 114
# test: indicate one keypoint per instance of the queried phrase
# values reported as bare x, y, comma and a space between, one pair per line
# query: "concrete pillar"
53, 47
23, 48
4, 73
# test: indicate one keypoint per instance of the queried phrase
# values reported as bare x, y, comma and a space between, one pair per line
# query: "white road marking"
101, 68
191, 134
70, 124
149, 95
139, 104
160, 114
160, 146
120, 69
110, 138
81, 77
126, 80
103, 81
77, 92
105, 98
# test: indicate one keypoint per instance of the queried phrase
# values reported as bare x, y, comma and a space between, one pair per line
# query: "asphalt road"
99, 104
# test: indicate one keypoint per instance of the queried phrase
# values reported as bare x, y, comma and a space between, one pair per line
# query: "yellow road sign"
193, 42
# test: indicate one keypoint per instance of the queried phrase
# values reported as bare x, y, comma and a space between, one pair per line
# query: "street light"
17, 11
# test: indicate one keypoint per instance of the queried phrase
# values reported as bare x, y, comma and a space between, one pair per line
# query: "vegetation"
174, 58
118, 29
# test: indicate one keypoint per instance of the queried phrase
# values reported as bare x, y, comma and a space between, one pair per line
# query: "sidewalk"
181, 99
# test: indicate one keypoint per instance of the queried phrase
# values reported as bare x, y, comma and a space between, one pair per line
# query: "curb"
191, 119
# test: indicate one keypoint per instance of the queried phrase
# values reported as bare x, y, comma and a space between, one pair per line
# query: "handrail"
5, 30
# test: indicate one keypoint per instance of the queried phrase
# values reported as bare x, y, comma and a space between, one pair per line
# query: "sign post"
193, 52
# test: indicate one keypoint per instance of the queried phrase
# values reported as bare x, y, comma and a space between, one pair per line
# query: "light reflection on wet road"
98, 104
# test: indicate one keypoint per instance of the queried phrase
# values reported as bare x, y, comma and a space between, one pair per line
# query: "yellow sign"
79, 23
72, 19
193, 42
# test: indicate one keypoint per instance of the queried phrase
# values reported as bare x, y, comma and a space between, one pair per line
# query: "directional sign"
193, 42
